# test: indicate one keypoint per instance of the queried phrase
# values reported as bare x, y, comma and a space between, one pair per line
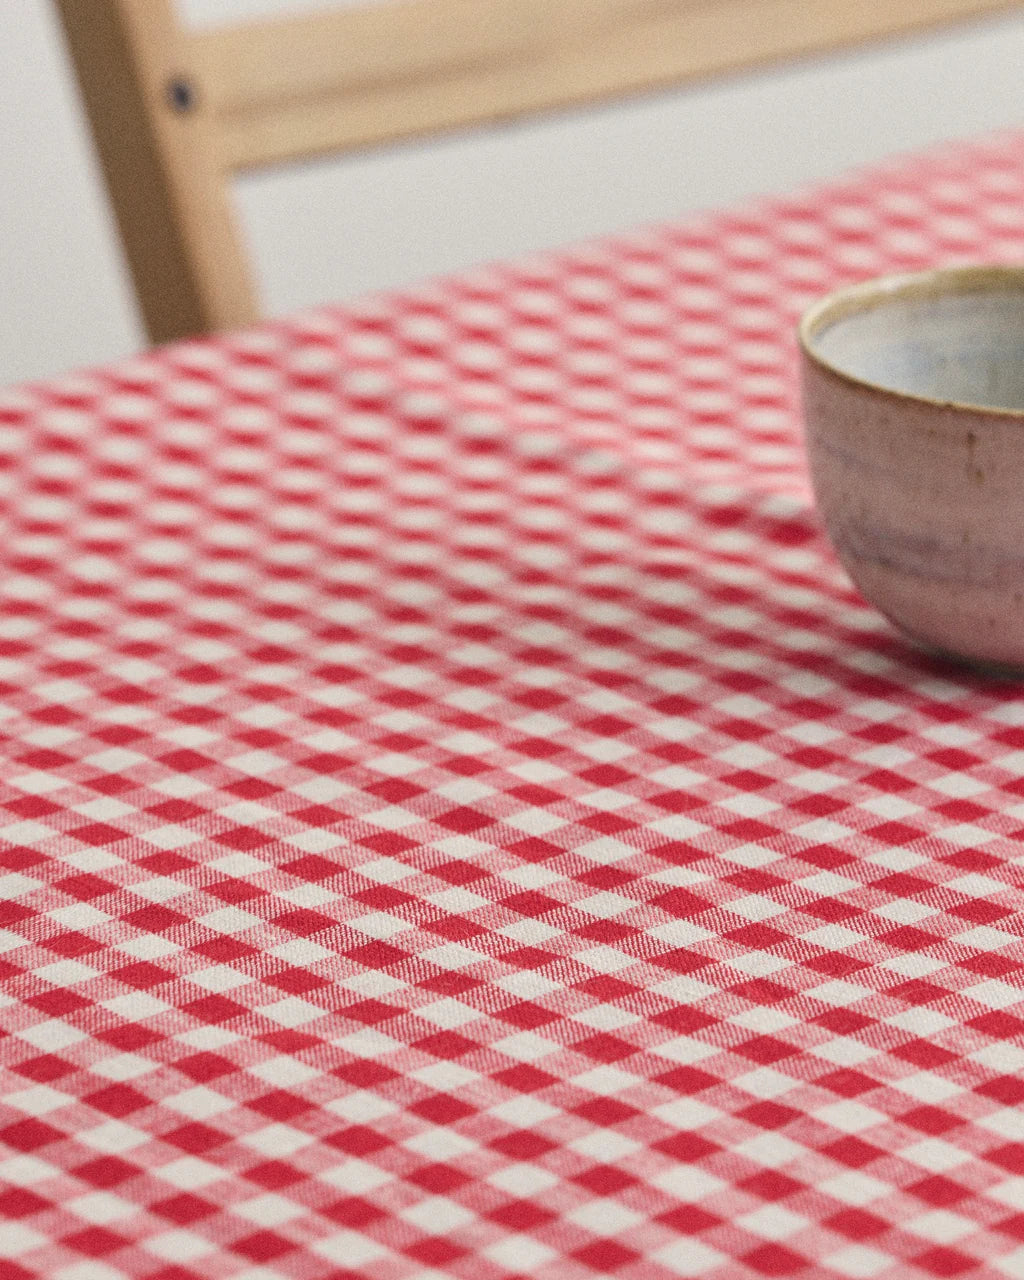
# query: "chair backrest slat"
177, 112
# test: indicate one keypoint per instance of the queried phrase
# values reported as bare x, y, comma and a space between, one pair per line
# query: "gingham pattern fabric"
457, 819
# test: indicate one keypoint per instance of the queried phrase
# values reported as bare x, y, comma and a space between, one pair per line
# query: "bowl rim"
866, 295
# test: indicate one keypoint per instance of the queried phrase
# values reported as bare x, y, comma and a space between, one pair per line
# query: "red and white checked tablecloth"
456, 818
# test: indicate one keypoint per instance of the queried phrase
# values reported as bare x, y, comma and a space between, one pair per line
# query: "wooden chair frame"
176, 113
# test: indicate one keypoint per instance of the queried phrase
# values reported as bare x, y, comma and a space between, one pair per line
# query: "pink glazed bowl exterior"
923, 499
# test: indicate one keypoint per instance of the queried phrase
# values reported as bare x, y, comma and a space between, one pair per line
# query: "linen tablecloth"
459, 821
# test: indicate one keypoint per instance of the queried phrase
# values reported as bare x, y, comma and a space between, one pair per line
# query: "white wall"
64, 296
333, 230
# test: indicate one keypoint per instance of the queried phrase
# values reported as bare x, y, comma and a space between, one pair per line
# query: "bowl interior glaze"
951, 337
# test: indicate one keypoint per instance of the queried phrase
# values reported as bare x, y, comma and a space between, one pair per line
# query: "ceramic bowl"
913, 390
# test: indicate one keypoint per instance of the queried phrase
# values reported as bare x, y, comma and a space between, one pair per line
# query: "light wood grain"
276, 90
357, 77
162, 168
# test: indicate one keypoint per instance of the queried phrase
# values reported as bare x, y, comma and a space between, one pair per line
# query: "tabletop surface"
456, 818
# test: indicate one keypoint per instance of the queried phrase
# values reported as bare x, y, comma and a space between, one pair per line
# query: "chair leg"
158, 152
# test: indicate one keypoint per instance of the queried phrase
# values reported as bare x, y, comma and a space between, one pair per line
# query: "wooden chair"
176, 112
